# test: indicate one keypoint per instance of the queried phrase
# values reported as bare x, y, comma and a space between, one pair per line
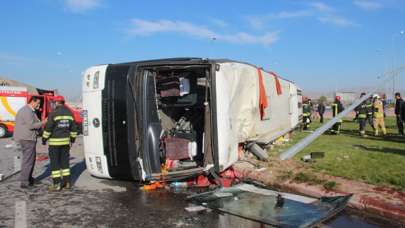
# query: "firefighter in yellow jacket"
378, 114
60, 132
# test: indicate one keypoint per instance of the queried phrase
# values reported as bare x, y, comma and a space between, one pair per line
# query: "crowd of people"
372, 112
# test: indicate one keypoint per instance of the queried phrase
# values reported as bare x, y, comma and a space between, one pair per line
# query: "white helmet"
376, 96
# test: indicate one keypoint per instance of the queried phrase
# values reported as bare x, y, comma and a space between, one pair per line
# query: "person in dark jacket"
321, 110
399, 103
27, 125
337, 108
361, 113
403, 112
370, 114
60, 132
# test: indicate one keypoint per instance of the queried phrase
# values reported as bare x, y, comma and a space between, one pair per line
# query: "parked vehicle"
13, 98
174, 118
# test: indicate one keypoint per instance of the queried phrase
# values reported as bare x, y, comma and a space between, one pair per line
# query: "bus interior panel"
180, 97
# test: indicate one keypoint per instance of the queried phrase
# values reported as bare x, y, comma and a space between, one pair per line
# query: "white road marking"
20, 219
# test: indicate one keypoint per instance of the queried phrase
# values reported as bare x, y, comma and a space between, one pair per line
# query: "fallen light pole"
318, 132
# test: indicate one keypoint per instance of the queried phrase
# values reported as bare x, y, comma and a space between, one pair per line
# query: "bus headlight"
96, 80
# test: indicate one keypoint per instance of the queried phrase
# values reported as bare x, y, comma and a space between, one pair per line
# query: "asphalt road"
105, 203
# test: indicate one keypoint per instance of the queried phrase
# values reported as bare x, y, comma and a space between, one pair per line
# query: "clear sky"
321, 45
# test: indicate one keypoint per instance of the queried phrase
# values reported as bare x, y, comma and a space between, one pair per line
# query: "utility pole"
394, 52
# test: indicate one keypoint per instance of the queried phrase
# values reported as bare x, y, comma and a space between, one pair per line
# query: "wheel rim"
2, 131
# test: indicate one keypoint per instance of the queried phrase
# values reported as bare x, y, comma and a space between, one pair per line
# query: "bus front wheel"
3, 131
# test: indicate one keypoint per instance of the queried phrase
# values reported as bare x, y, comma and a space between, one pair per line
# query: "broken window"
271, 207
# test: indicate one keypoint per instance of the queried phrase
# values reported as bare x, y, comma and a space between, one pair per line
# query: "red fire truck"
13, 98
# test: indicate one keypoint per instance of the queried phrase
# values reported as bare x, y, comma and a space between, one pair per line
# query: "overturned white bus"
175, 118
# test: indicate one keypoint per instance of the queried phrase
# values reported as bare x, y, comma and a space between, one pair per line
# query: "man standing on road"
398, 104
61, 132
378, 114
25, 134
321, 110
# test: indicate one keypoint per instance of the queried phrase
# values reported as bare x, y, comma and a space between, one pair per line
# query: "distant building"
8, 82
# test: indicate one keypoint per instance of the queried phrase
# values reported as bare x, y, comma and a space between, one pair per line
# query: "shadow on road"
44, 174
75, 171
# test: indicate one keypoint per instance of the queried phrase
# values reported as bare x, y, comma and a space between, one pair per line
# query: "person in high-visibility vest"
306, 113
337, 108
378, 114
361, 113
60, 132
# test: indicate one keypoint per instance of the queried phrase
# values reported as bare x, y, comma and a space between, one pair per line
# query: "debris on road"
312, 156
42, 157
9, 146
192, 209
257, 151
153, 186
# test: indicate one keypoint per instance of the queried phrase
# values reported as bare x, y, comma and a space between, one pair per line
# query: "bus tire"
3, 131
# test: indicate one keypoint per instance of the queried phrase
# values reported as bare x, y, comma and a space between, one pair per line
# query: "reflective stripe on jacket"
362, 110
60, 127
337, 108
